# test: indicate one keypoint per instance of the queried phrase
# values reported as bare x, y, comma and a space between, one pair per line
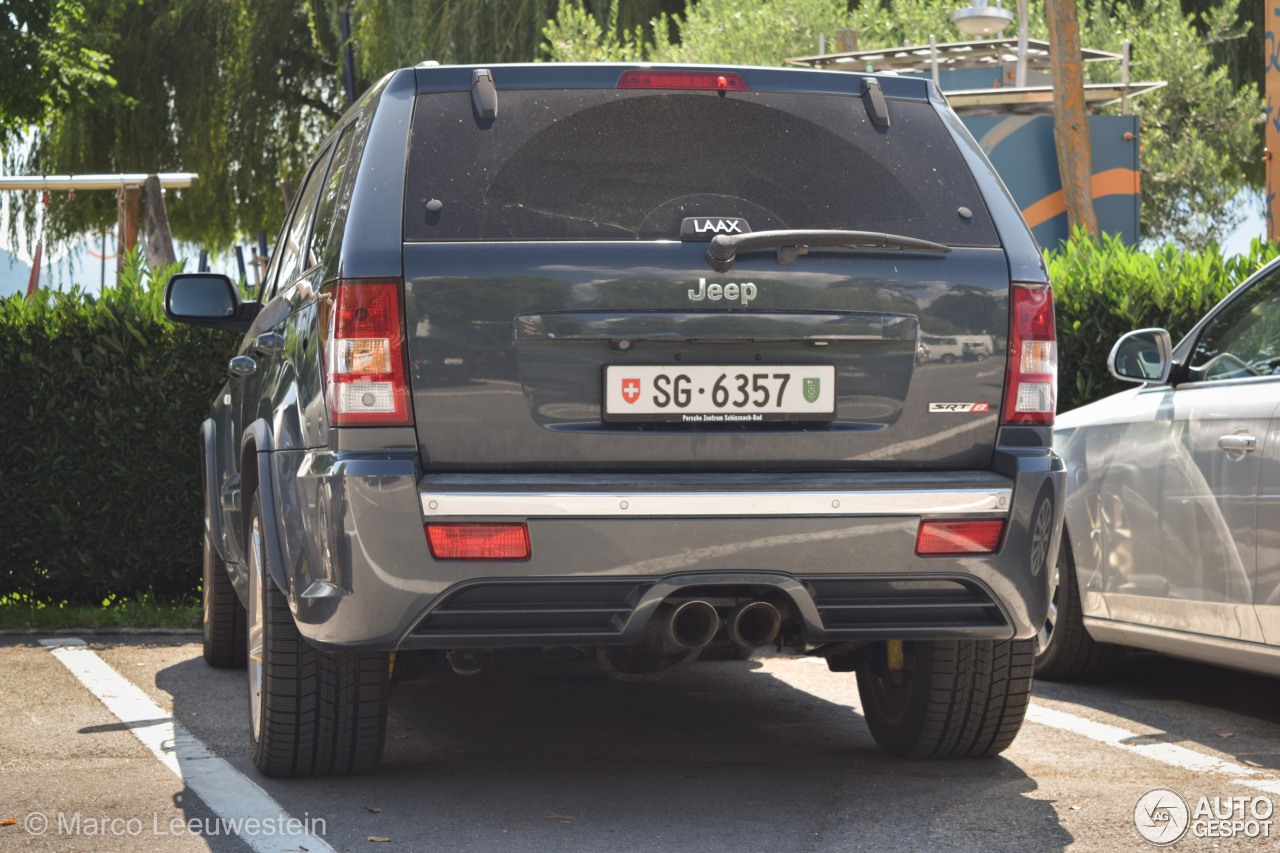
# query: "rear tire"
1066, 651
312, 712
224, 629
952, 699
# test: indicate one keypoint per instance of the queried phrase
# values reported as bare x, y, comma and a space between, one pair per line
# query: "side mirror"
1145, 355
207, 299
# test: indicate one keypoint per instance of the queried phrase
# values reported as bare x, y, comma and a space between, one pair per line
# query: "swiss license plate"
719, 393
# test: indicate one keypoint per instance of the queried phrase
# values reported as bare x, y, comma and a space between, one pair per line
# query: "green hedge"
1102, 290
102, 398
101, 402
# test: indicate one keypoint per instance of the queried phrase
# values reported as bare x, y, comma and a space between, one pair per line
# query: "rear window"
599, 164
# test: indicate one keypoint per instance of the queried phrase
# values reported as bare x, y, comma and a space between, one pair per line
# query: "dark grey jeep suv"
622, 359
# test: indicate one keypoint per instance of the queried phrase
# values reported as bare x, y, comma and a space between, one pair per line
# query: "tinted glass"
592, 164
335, 198
1244, 338
294, 251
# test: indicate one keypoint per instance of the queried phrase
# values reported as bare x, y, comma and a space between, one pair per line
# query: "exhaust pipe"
692, 624
754, 623
670, 642
467, 662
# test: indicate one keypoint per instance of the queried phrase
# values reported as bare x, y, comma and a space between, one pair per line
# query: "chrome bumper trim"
706, 504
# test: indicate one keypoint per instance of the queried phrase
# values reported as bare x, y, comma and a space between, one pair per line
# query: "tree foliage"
761, 33
576, 35
50, 57
766, 32
237, 91
392, 33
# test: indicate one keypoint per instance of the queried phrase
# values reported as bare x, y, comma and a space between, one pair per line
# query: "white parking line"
1166, 753
240, 805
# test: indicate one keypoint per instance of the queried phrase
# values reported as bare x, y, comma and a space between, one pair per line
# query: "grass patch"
22, 612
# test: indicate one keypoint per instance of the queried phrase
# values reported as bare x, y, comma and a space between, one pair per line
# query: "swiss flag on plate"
631, 390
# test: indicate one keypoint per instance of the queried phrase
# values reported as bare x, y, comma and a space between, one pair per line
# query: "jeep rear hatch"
564, 314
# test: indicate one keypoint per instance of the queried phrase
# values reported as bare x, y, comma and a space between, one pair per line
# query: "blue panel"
963, 78
1022, 150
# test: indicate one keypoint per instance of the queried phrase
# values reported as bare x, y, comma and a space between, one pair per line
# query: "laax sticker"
959, 408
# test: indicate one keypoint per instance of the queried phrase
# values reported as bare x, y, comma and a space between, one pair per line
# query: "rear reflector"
978, 536
713, 80
479, 541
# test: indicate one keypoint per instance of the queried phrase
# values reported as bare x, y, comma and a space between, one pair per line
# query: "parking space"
769, 753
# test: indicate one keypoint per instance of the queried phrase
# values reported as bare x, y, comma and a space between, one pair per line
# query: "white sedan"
1172, 539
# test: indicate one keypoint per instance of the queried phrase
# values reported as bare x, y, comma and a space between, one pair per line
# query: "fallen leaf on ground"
9, 821
1226, 734
379, 838
562, 817
373, 810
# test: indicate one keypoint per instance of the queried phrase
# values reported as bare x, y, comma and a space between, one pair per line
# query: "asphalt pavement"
766, 754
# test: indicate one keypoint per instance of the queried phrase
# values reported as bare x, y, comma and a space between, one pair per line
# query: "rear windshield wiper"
724, 248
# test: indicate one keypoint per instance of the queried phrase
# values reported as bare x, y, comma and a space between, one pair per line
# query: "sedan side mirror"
1145, 355
207, 299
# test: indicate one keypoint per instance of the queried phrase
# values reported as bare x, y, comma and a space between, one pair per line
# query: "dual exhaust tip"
694, 624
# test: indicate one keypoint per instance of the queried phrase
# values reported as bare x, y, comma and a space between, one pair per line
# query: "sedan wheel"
1064, 649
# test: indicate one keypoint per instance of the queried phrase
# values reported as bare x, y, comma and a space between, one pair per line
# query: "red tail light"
364, 355
714, 80
976, 536
1031, 379
479, 541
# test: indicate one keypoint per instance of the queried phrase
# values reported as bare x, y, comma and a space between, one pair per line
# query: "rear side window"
592, 164
294, 249
335, 198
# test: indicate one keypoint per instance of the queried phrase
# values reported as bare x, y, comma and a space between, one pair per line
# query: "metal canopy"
960, 54
991, 54
1038, 99
172, 180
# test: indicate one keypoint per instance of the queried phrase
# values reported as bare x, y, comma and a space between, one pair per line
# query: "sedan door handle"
1245, 443
242, 365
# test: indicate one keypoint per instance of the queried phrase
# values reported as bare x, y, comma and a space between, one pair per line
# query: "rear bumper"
837, 551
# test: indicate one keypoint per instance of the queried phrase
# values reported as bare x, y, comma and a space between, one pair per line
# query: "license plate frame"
635, 393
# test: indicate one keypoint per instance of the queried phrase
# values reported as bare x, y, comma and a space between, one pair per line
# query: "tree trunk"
159, 239
1070, 119
33, 280
127, 202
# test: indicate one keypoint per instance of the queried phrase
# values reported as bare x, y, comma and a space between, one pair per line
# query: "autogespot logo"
1161, 816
